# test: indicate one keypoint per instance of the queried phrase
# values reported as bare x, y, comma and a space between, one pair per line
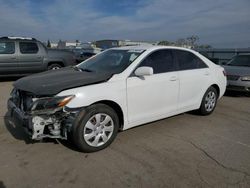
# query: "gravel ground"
182, 151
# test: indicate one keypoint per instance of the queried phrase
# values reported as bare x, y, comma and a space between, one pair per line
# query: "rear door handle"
173, 78
13, 58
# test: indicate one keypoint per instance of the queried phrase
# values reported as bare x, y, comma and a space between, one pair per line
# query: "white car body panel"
160, 95
190, 94
153, 97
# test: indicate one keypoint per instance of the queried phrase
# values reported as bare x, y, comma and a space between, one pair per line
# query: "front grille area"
233, 77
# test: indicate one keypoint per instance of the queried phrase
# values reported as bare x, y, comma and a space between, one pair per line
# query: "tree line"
191, 42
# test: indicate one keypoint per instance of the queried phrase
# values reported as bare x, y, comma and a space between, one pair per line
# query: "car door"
153, 97
30, 57
194, 79
8, 58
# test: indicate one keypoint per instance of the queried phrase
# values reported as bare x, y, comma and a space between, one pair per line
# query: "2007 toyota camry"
115, 90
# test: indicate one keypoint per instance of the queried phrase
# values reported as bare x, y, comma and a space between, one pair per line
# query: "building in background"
216, 55
106, 44
53, 45
136, 43
68, 45
89, 47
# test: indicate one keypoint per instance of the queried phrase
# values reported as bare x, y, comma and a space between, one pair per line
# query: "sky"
219, 23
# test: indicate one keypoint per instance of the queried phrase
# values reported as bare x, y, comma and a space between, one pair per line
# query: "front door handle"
173, 78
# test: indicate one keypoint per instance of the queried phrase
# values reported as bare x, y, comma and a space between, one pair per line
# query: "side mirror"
144, 71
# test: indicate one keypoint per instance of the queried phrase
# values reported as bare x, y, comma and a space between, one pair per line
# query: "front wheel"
97, 128
209, 101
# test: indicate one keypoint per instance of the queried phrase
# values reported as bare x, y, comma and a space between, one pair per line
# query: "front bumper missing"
19, 117
39, 126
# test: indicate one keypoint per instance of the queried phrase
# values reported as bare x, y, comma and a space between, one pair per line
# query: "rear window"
28, 47
7, 47
188, 60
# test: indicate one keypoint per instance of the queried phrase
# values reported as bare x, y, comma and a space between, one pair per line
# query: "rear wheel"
209, 101
96, 129
54, 66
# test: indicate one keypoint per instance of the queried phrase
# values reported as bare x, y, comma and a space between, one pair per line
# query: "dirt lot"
183, 151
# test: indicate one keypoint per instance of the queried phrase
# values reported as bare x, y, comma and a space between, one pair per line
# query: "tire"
54, 66
88, 134
209, 101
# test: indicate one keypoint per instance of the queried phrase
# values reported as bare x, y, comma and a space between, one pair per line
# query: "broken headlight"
49, 103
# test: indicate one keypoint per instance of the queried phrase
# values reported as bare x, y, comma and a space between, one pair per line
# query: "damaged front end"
42, 116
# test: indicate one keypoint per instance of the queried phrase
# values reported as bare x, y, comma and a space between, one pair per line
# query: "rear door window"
7, 47
28, 47
188, 61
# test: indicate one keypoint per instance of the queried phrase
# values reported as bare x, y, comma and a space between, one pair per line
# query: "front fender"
87, 95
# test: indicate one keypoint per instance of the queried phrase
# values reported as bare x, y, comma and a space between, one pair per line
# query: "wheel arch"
217, 89
117, 108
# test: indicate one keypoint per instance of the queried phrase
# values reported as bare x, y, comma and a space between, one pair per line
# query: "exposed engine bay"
42, 116
34, 101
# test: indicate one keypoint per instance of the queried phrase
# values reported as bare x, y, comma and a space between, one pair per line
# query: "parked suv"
117, 89
22, 56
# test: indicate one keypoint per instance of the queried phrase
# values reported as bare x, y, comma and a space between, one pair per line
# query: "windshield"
242, 60
111, 61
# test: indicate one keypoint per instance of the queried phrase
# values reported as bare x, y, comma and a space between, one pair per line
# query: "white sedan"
117, 89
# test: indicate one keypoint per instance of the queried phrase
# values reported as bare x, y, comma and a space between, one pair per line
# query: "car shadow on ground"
68, 144
18, 132
2, 184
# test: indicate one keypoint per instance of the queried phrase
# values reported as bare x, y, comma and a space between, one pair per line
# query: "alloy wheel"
210, 101
98, 129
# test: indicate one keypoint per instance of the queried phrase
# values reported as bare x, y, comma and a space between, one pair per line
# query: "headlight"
51, 103
245, 78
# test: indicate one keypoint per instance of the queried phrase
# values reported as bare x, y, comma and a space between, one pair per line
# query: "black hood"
55, 81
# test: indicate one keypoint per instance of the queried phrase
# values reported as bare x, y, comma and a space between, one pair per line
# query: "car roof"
150, 47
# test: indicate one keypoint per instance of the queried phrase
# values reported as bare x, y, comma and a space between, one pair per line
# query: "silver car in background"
238, 73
